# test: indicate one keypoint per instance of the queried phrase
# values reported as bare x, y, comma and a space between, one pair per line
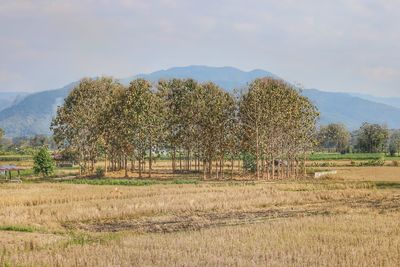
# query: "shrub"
249, 162
100, 172
43, 163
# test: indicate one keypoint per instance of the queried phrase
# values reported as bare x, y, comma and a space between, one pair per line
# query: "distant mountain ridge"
32, 115
226, 77
8, 99
391, 101
352, 110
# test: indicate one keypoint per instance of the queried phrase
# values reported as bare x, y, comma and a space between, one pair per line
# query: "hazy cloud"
343, 45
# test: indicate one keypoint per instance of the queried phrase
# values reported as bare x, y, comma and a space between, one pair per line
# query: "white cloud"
382, 73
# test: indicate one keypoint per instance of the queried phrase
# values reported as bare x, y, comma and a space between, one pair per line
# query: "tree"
179, 98
394, 143
77, 125
272, 123
372, 138
334, 137
277, 123
214, 124
43, 162
143, 117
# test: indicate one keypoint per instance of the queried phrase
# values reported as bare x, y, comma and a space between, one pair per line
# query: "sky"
332, 45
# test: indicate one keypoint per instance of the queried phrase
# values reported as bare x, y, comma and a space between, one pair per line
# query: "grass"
350, 156
17, 228
126, 182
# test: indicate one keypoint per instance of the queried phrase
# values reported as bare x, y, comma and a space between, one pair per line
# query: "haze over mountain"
10, 98
32, 115
391, 101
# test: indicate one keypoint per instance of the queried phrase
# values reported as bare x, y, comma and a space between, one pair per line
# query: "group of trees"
199, 126
24, 145
369, 138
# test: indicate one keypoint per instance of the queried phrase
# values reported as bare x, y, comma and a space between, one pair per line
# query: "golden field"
333, 222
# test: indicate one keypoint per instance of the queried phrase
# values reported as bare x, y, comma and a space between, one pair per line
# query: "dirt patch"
197, 221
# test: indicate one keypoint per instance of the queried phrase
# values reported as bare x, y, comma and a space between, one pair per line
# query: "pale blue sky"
337, 45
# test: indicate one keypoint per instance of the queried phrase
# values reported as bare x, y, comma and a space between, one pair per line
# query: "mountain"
32, 115
228, 78
391, 101
352, 110
8, 99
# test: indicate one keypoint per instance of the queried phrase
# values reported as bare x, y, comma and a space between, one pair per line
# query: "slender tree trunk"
180, 161
204, 169
174, 160
217, 168
222, 168
257, 154
150, 159
105, 163
232, 161
210, 168
126, 166
140, 168
273, 168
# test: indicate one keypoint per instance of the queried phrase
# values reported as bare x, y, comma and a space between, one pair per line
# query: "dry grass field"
332, 222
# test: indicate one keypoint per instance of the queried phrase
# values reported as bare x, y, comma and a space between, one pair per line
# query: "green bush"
43, 163
100, 172
249, 162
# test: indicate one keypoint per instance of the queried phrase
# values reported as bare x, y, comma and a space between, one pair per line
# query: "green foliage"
43, 163
15, 158
373, 162
334, 136
17, 228
372, 138
249, 162
127, 182
349, 156
101, 118
394, 143
100, 172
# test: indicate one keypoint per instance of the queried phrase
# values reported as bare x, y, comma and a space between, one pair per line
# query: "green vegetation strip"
350, 156
17, 228
127, 182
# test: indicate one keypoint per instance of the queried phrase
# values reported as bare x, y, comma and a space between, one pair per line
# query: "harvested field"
284, 223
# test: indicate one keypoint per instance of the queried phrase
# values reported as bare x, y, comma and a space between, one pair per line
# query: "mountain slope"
351, 110
33, 114
391, 101
8, 99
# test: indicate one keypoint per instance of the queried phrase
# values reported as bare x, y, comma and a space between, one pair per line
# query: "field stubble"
328, 222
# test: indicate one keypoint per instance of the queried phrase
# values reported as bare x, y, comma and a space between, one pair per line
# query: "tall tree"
372, 138
334, 137
77, 124
278, 123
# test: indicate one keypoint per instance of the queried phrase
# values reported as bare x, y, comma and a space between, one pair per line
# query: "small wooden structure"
8, 169
61, 161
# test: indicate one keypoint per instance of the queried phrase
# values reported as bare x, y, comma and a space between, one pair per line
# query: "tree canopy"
189, 121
